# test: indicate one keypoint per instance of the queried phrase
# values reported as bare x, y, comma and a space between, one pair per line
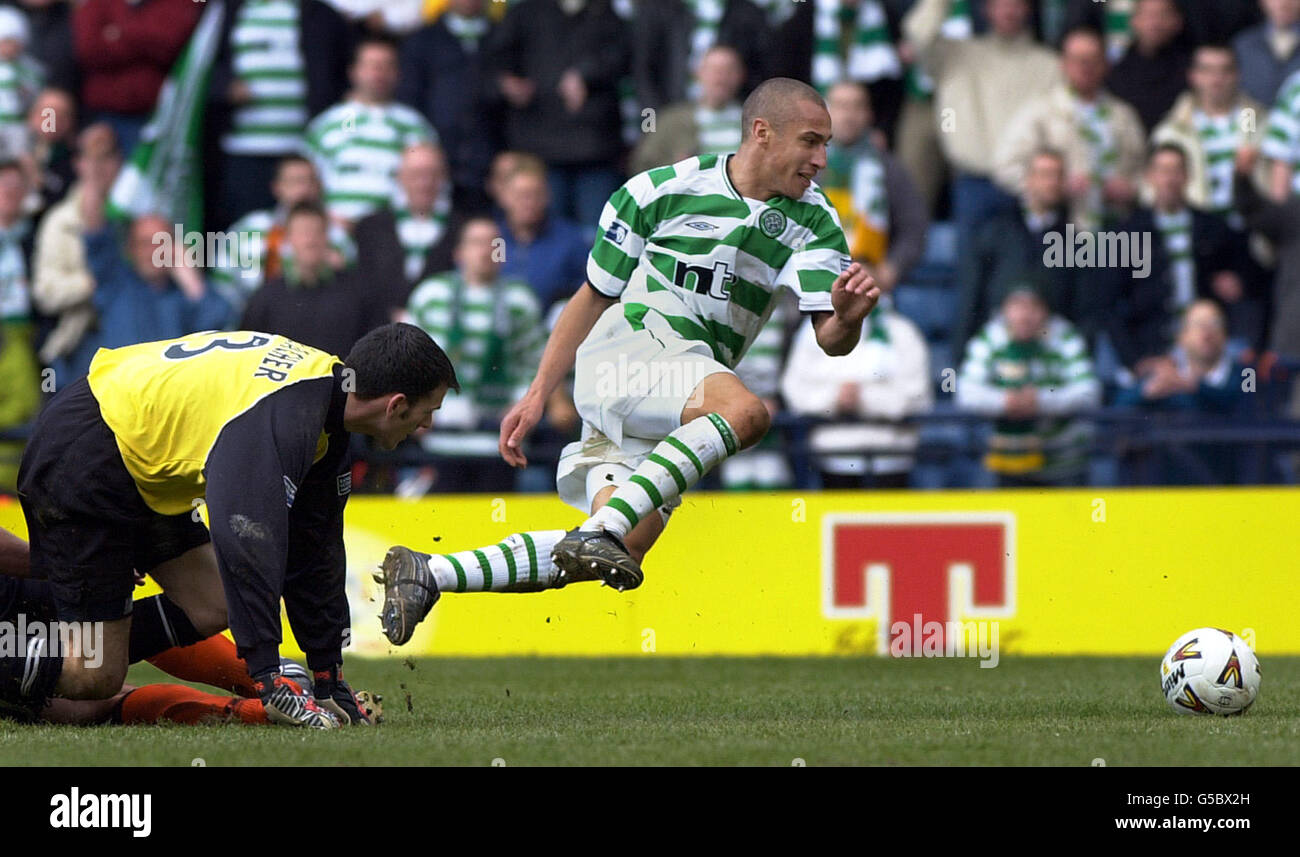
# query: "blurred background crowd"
445, 162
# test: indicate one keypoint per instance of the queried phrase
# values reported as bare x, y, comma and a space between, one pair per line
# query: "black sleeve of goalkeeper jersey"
315, 585
253, 473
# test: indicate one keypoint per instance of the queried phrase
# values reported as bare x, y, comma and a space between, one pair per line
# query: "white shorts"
630, 387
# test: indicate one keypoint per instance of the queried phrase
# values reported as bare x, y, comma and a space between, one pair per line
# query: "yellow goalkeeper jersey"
168, 402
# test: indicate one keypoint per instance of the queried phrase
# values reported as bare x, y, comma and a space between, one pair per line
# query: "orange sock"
211, 661
154, 703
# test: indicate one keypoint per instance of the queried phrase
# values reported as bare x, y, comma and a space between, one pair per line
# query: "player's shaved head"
783, 142
776, 101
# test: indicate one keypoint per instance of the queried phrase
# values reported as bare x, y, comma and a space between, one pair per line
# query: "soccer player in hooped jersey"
685, 272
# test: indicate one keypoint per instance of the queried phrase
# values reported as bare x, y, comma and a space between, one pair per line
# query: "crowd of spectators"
445, 162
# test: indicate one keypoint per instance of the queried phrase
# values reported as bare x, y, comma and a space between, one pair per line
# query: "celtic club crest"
771, 222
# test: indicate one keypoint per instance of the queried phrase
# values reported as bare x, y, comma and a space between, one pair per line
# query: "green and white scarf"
855, 174
1115, 27
1220, 136
1176, 230
418, 234
468, 31
867, 185
852, 43
875, 330
1094, 127
707, 15
1093, 124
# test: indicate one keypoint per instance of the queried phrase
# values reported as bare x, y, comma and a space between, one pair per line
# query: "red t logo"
938, 566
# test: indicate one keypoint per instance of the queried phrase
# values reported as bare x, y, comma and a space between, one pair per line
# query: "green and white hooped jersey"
269, 60
690, 258
357, 149
1282, 137
717, 131
493, 333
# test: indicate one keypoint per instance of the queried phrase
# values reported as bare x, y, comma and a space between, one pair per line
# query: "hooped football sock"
520, 559
154, 703
679, 461
158, 624
212, 661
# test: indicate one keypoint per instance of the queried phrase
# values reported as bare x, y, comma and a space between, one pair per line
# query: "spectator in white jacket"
62, 285
868, 392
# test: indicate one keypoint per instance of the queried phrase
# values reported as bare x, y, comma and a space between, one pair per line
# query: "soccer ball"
1210, 671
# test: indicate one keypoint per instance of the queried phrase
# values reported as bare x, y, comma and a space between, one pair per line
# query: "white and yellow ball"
1210, 671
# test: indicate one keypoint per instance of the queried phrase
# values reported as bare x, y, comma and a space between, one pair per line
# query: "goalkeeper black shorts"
88, 526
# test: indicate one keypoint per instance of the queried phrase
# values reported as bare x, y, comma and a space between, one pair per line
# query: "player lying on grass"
259, 427
212, 661
178, 703
685, 272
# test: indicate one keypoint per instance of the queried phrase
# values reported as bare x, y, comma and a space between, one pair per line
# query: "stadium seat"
929, 306
941, 245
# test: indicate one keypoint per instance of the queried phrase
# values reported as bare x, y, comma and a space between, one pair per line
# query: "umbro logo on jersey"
616, 233
702, 225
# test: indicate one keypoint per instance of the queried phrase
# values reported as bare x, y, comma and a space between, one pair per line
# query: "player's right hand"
287, 704
515, 426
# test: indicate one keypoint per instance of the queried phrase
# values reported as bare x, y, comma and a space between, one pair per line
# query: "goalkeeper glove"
335, 695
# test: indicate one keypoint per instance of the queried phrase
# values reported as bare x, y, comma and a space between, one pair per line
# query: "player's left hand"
854, 294
336, 696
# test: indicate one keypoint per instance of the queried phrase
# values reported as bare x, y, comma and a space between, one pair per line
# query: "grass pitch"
712, 711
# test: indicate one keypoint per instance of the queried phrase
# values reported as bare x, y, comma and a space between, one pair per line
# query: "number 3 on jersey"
179, 351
